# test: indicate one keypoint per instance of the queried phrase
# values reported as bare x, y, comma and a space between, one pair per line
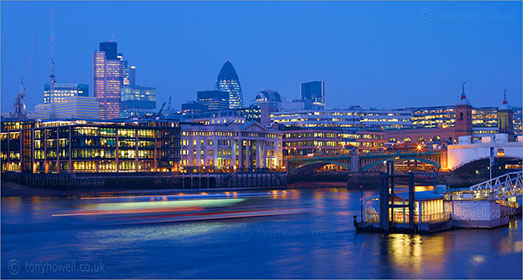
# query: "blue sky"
373, 54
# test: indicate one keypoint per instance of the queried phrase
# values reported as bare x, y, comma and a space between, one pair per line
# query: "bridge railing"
348, 153
400, 218
501, 187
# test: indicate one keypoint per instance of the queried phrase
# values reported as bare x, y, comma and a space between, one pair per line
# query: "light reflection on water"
319, 241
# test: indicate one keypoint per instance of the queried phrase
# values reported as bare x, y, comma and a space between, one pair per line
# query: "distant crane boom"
19, 107
161, 110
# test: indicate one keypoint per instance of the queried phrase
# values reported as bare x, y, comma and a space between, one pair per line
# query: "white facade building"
229, 148
72, 107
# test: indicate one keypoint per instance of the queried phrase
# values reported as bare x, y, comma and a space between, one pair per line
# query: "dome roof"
268, 95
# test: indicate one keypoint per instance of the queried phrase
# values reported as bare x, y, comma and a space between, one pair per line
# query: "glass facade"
137, 97
313, 93
56, 147
108, 79
62, 91
135, 100
214, 99
228, 81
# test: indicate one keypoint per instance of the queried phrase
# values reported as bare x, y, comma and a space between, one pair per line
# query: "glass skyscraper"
214, 99
108, 74
313, 94
228, 81
135, 100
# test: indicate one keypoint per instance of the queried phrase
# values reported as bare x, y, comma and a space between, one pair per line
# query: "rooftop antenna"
52, 76
505, 97
112, 37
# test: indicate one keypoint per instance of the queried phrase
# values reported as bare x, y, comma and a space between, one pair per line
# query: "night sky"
384, 55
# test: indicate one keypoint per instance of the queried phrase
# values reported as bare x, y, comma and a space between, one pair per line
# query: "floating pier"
485, 205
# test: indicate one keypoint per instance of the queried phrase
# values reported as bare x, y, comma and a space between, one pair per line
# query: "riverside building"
314, 141
86, 147
230, 148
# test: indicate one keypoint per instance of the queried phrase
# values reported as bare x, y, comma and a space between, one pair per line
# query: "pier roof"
424, 195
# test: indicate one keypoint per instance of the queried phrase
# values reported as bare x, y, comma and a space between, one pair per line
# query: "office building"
518, 116
228, 81
129, 74
299, 141
313, 94
484, 122
216, 117
70, 108
252, 113
89, 147
108, 71
193, 107
355, 118
62, 91
228, 148
433, 117
135, 100
214, 99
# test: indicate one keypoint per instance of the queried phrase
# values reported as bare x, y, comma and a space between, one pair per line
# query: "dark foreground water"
260, 234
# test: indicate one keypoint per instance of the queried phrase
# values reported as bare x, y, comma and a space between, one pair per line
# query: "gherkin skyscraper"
228, 81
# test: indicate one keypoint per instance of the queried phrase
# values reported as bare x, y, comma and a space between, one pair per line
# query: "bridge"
447, 158
358, 162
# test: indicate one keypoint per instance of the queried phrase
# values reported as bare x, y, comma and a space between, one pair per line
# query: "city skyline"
261, 139
284, 62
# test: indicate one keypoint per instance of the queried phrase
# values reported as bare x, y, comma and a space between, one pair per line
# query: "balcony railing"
399, 218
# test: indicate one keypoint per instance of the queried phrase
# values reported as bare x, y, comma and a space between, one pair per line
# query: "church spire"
463, 100
463, 95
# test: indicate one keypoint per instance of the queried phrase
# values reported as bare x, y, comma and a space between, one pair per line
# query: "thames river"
298, 233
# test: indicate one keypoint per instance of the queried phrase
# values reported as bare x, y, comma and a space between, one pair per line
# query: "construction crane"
19, 107
159, 115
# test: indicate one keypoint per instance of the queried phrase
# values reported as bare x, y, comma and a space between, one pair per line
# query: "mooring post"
384, 202
434, 177
391, 189
411, 202
361, 202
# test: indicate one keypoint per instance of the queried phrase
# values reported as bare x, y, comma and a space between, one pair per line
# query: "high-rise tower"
108, 79
228, 81
313, 94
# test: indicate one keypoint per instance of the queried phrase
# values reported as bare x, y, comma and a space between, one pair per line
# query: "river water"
300, 233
